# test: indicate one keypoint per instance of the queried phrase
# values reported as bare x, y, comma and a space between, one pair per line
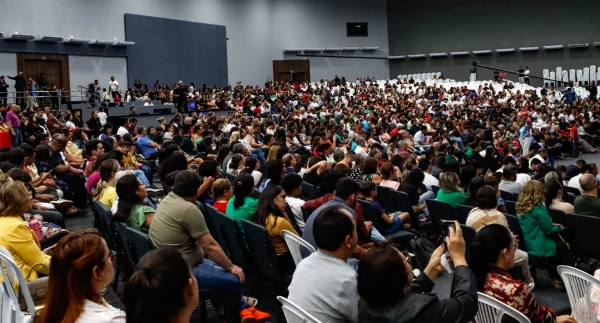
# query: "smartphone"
446, 224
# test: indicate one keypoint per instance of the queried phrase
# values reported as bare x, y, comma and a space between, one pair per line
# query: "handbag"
37, 288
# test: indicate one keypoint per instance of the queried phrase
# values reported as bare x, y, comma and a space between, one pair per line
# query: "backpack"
422, 249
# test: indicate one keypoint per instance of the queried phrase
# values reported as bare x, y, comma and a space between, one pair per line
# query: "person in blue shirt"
569, 96
148, 147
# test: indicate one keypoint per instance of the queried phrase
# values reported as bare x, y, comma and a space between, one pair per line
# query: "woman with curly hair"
540, 234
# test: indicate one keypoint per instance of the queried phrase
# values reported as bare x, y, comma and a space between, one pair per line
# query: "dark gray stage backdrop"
421, 27
171, 50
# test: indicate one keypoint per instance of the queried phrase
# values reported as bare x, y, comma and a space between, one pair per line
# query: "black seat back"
385, 198
400, 202
439, 211
435, 189
587, 238
309, 191
369, 214
507, 196
231, 179
262, 251
103, 225
292, 217
558, 216
511, 207
140, 242
219, 234
462, 213
234, 238
515, 228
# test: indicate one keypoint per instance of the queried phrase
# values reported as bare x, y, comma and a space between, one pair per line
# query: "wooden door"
295, 71
56, 68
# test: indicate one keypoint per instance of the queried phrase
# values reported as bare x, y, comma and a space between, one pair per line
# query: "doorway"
292, 71
56, 68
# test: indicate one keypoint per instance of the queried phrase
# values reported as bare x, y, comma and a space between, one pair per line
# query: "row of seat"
583, 76
420, 76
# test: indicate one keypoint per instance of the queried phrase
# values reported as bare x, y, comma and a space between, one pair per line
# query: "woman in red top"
222, 193
492, 255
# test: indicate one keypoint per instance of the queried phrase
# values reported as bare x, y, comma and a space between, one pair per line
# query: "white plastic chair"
492, 310
9, 301
572, 75
586, 75
553, 77
593, 73
438, 74
579, 285
294, 314
428, 76
579, 76
565, 77
296, 244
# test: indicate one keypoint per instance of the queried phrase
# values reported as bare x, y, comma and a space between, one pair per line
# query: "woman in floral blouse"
492, 255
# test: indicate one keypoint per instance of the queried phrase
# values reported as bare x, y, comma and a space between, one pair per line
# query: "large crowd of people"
457, 143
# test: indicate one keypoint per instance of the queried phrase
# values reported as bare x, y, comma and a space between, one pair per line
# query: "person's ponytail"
484, 251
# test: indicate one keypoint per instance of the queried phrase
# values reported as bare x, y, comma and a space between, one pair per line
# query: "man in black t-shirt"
521, 74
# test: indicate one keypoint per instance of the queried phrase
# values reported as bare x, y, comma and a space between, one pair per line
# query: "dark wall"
171, 50
421, 27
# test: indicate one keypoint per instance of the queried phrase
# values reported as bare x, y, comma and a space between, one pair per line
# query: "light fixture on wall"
417, 56
459, 53
49, 39
74, 40
313, 50
597, 44
582, 45
552, 47
505, 50
396, 57
370, 48
292, 50
482, 52
101, 42
438, 54
529, 49
332, 49
21, 37
123, 44
350, 49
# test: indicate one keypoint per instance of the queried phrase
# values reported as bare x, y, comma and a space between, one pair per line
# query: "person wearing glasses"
492, 255
388, 292
81, 268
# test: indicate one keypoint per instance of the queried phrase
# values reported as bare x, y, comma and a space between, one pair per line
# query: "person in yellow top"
15, 234
129, 161
270, 212
106, 193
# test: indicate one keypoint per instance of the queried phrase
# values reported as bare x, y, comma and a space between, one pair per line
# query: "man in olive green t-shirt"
588, 203
179, 224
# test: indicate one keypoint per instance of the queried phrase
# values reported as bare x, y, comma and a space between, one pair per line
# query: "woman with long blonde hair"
106, 193
450, 191
540, 234
235, 136
272, 153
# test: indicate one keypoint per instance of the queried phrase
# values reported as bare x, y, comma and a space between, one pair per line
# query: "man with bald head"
588, 203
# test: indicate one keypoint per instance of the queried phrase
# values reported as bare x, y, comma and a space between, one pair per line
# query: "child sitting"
391, 222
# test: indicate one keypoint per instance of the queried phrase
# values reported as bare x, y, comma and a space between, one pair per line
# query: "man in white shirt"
360, 147
526, 74
574, 181
292, 185
113, 86
429, 180
123, 128
420, 138
102, 116
541, 156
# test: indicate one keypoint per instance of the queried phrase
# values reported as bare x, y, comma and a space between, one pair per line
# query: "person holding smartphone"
402, 299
